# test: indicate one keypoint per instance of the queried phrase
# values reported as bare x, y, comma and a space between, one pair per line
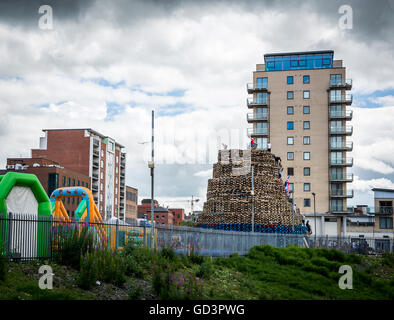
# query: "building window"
335, 79
102, 175
117, 169
290, 140
290, 110
291, 187
307, 202
73, 182
307, 171
385, 223
102, 164
290, 125
290, 171
307, 109
307, 79
68, 200
306, 94
78, 183
83, 184
116, 190
307, 156
117, 159
64, 181
307, 187
307, 140
307, 125
290, 95
116, 180
102, 152
290, 79
101, 186
53, 182
69, 182
290, 156
101, 197
262, 83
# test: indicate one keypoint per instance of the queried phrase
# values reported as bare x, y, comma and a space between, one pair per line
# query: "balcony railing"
96, 153
341, 83
256, 102
253, 87
94, 188
96, 143
96, 164
344, 178
257, 132
342, 130
347, 114
342, 162
345, 98
344, 146
95, 176
342, 194
257, 117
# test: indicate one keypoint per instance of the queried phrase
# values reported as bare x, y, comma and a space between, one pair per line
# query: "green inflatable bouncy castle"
23, 199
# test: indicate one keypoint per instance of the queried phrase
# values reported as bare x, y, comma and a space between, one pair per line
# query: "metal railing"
348, 146
26, 237
253, 87
341, 130
257, 116
342, 162
346, 177
345, 98
347, 114
341, 83
257, 132
256, 102
342, 194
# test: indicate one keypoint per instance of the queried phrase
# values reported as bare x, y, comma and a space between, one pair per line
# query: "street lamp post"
151, 165
314, 211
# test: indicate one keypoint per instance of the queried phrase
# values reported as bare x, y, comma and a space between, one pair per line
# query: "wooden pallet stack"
229, 198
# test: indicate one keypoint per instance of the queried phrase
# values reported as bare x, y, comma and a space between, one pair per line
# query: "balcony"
96, 164
252, 132
347, 130
347, 115
345, 146
255, 88
346, 84
346, 162
96, 153
251, 102
94, 188
122, 184
344, 178
95, 176
339, 210
123, 165
341, 194
345, 98
257, 117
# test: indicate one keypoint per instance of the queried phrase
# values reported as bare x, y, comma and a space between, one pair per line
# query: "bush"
89, 271
205, 270
168, 254
75, 241
132, 268
196, 259
388, 259
136, 292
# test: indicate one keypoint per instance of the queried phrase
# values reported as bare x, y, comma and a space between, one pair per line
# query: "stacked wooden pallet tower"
229, 195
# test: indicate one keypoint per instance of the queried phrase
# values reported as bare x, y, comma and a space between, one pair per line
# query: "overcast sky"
106, 64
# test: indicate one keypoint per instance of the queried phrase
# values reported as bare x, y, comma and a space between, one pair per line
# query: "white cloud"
204, 173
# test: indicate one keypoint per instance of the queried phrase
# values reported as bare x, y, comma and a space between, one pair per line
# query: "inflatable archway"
86, 211
36, 232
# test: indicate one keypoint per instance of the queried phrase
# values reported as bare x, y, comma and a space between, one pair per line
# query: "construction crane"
192, 201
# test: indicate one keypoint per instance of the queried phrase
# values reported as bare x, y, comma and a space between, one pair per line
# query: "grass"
265, 273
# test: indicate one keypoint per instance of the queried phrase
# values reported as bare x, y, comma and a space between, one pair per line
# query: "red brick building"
52, 176
95, 155
178, 214
131, 205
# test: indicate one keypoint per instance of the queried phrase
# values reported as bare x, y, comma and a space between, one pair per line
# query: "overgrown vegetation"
265, 273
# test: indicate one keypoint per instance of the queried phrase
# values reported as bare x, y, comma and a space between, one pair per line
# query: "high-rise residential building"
131, 205
95, 155
300, 105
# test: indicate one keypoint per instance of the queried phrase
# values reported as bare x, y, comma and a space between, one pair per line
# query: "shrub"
196, 259
132, 268
205, 270
388, 259
89, 271
168, 254
75, 241
136, 292
169, 286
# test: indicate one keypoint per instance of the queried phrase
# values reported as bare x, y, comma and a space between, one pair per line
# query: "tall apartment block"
95, 155
299, 104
